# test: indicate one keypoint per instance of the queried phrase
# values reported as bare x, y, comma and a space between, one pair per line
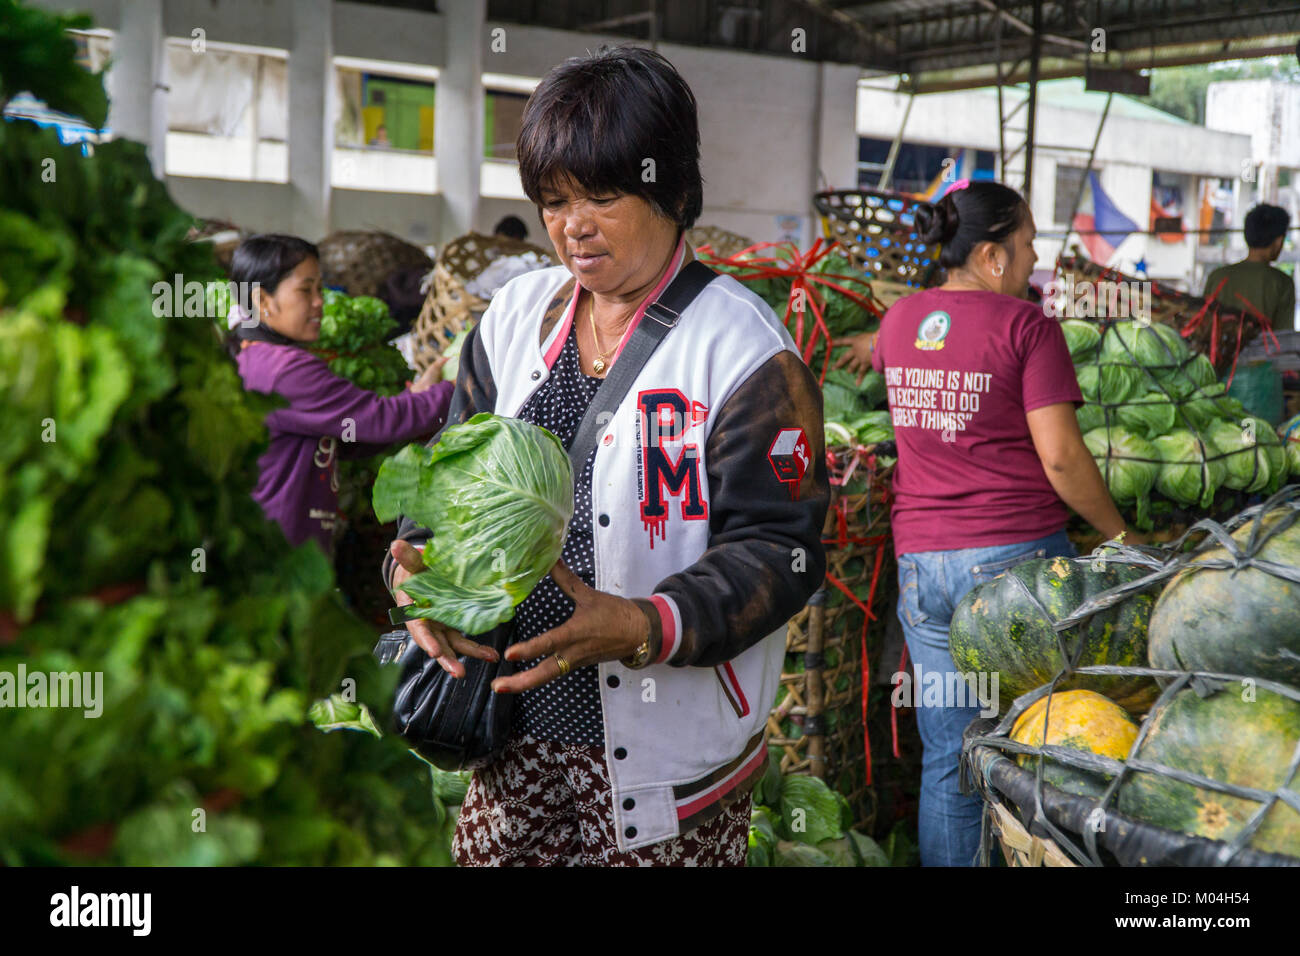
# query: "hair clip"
959, 184
240, 316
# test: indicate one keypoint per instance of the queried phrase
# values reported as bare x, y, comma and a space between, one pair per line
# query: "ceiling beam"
1025, 28
861, 30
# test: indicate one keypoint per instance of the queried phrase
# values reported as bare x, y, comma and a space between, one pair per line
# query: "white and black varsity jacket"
709, 491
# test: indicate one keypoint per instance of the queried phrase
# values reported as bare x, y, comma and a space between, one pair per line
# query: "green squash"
996, 628
1233, 736
1244, 622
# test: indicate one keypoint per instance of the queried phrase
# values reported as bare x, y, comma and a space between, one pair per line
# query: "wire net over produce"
1244, 719
1158, 422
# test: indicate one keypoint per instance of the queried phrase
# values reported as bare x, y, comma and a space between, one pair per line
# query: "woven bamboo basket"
224, 236
1219, 332
720, 242
359, 261
448, 307
877, 231
822, 700
1019, 846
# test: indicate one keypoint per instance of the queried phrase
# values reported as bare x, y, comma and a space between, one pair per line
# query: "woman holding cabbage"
982, 393
649, 656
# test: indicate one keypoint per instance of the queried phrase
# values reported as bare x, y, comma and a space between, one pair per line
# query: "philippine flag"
1100, 224
961, 167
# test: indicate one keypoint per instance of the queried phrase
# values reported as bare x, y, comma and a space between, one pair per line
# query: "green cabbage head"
1090, 416
1192, 469
1181, 382
1150, 346
1128, 463
1147, 415
1081, 338
1108, 384
1255, 459
497, 493
1209, 404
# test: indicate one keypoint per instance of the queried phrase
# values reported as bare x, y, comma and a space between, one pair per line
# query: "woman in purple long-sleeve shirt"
327, 418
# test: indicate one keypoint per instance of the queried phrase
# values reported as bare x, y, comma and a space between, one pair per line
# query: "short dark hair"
984, 211
266, 260
1264, 224
512, 227
599, 118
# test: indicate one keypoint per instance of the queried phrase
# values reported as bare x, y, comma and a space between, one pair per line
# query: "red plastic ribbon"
867, 617
797, 267
1265, 327
1211, 308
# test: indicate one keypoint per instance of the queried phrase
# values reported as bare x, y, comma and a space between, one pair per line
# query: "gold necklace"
598, 365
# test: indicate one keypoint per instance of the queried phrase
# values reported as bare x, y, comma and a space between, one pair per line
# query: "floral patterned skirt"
549, 804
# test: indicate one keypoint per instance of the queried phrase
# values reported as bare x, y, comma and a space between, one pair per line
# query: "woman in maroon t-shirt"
982, 394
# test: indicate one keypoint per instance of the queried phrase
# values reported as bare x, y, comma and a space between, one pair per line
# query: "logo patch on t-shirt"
932, 331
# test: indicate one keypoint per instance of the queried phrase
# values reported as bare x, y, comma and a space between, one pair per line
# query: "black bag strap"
658, 321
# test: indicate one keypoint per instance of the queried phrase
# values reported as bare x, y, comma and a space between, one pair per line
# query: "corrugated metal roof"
946, 44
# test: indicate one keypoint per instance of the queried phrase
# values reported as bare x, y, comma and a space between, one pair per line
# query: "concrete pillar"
458, 115
137, 104
311, 134
837, 134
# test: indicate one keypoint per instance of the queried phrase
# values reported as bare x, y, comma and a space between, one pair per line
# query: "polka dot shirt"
567, 709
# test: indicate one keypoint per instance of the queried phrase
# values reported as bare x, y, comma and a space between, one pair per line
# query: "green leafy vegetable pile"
853, 412
497, 493
354, 334
1164, 432
132, 555
800, 821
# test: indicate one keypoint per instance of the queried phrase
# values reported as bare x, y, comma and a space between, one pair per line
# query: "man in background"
512, 227
1253, 284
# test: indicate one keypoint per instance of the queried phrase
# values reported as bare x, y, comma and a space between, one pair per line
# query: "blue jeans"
930, 585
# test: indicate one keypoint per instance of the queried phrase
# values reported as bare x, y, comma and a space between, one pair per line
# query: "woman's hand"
858, 356
438, 641
431, 376
603, 628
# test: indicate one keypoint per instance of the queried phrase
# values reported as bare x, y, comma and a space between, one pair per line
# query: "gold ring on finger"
563, 664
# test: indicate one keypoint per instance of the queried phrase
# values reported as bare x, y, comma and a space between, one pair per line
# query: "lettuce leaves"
497, 493
354, 333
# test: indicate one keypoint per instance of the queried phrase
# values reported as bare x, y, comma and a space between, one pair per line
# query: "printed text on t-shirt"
935, 398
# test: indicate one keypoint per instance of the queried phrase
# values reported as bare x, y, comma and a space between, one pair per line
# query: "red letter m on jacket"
669, 472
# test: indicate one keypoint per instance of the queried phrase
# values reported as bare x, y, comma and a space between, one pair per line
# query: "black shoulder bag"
460, 724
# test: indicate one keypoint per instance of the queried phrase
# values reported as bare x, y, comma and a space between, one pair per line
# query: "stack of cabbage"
1156, 420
